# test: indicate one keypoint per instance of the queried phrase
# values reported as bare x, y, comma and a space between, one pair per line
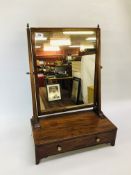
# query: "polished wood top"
69, 126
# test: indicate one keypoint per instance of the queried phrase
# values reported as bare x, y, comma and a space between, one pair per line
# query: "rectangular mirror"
65, 68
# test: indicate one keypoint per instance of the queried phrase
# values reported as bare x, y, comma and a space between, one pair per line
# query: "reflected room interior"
65, 62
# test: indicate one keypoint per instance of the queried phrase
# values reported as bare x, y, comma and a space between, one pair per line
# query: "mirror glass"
65, 60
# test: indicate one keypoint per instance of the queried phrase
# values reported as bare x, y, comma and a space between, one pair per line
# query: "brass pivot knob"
59, 148
98, 140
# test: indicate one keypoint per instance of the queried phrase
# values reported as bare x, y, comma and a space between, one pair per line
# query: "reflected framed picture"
76, 86
53, 92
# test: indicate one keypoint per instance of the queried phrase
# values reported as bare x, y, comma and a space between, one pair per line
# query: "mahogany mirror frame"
33, 76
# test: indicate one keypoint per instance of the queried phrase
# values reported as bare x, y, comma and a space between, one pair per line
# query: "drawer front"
73, 144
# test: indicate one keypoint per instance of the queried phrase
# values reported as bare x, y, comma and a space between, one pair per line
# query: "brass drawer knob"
59, 148
98, 140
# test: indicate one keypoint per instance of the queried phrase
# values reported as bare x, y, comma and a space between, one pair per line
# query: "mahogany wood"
32, 79
35, 71
67, 132
70, 131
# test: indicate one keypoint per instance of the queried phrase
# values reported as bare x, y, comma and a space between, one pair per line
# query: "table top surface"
68, 126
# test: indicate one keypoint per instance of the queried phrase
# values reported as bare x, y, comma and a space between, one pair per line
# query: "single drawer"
73, 144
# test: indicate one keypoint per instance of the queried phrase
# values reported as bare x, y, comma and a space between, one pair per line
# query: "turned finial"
27, 25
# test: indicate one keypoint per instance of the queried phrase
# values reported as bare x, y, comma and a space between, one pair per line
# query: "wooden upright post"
97, 82
32, 79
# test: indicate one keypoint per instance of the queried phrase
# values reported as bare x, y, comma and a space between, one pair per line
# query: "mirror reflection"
66, 67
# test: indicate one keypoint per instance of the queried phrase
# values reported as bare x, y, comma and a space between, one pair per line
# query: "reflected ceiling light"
82, 47
51, 48
90, 46
37, 47
74, 46
40, 37
60, 42
78, 32
91, 39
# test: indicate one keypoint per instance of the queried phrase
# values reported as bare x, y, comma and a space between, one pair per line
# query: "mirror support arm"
34, 120
97, 88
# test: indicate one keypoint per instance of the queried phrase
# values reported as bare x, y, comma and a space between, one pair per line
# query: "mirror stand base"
68, 132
